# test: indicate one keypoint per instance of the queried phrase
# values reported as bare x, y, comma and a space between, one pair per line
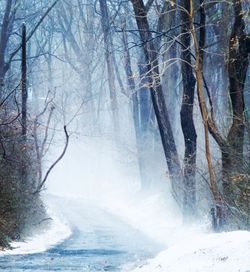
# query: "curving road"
100, 242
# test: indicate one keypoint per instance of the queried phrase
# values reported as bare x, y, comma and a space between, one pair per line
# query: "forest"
165, 82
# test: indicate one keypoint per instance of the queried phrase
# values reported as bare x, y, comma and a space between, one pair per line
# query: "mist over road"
99, 242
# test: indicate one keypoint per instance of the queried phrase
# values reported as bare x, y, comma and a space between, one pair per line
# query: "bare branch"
33, 30
40, 186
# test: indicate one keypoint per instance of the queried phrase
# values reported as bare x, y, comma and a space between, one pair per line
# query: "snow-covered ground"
156, 215
188, 248
56, 233
229, 252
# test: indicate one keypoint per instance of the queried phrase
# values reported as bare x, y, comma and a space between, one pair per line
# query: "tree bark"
239, 49
24, 106
24, 84
158, 97
231, 146
203, 107
237, 69
135, 105
4, 37
109, 61
187, 122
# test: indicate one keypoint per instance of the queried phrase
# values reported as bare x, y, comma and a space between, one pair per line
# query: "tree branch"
33, 30
40, 186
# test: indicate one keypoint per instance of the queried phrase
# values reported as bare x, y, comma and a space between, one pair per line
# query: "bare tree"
158, 96
231, 146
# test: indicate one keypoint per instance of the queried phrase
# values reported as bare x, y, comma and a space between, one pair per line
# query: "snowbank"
57, 232
228, 252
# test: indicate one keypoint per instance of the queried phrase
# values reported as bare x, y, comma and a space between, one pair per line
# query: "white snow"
155, 215
99, 178
56, 233
208, 252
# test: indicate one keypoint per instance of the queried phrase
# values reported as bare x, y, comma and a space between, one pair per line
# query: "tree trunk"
146, 124
4, 37
203, 107
233, 173
144, 99
233, 179
158, 97
24, 105
24, 84
135, 105
237, 69
187, 122
109, 60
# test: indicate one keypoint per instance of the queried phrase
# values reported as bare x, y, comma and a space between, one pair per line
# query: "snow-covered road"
126, 238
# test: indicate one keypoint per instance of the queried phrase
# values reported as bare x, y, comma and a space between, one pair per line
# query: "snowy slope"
229, 252
55, 234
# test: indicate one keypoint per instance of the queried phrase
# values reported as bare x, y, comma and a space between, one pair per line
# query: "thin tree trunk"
24, 105
140, 140
24, 83
109, 61
203, 107
146, 124
145, 103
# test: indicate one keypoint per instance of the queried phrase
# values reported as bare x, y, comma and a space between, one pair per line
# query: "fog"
95, 170
124, 131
